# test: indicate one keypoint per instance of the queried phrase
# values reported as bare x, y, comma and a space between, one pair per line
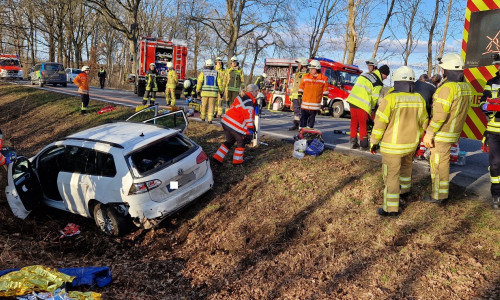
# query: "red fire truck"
153, 50
341, 79
10, 66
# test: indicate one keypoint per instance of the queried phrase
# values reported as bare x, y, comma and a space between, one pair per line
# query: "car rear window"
54, 67
160, 154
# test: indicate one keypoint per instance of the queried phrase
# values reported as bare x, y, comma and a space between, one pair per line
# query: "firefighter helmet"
209, 63
170, 65
187, 84
218, 59
302, 61
264, 75
315, 64
371, 62
85, 68
404, 73
451, 61
152, 65
234, 59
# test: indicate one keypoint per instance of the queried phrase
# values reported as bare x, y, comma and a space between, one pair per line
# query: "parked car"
48, 73
71, 74
118, 173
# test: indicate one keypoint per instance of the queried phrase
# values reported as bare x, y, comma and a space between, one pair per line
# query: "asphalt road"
473, 176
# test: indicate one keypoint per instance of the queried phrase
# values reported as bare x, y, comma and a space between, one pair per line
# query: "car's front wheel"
110, 221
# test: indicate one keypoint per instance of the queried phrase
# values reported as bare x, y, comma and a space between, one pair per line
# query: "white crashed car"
138, 171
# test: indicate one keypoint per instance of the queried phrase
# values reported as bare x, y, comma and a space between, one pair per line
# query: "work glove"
374, 148
428, 141
250, 132
247, 138
485, 147
10, 159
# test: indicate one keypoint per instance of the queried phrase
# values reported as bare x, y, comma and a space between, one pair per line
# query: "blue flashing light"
324, 59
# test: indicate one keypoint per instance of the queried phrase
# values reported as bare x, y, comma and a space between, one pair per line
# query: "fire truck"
341, 79
153, 50
481, 40
10, 67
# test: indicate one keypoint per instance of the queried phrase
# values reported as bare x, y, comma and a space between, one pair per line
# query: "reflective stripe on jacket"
209, 83
313, 88
296, 84
151, 84
233, 79
82, 82
450, 105
172, 80
400, 122
240, 115
366, 90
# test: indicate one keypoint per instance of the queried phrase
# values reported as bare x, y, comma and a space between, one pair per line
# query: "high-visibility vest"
151, 84
450, 105
209, 83
240, 115
295, 85
313, 89
400, 122
492, 90
172, 79
82, 82
366, 90
234, 79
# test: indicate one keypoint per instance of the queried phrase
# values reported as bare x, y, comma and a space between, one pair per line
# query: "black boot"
354, 143
435, 201
365, 146
495, 204
295, 125
383, 213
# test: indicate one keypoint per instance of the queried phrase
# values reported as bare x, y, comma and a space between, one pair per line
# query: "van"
48, 73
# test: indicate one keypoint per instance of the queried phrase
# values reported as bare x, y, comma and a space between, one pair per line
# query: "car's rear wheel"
110, 221
40, 82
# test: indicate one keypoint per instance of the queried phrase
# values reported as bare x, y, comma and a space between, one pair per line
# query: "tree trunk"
429, 43
379, 37
351, 33
445, 32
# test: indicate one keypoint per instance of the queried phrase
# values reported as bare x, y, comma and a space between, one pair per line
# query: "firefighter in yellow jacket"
210, 85
219, 67
450, 105
172, 82
400, 122
151, 85
294, 93
234, 79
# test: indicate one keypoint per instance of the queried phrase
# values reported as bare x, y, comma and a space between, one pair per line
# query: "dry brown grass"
280, 228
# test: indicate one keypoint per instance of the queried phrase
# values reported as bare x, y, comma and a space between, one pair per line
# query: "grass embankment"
279, 228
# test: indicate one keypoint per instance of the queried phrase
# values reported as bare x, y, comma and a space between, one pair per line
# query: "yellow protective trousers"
440, 170
207, 108
397, 178
170, 96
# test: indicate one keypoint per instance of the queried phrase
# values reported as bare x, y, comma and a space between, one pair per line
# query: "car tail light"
143, 187
43, 73
201, 157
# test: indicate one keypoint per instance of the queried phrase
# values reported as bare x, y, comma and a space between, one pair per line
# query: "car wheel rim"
104, 222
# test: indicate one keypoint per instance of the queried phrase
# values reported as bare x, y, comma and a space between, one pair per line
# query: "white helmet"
371, 62
264, 75
234, 59
187, 83
404, 73
218, 58
452, 61
315, 64
170, 65
209, 63
302, 61
152, 65
85, 68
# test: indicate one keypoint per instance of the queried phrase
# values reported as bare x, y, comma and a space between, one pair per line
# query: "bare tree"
406, 18
122, 16
443, 41
325, 12
382, 29
431, 35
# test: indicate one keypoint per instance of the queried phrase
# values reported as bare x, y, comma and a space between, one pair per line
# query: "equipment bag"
315, 147
310, 133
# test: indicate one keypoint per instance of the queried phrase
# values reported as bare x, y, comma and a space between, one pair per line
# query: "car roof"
123, 134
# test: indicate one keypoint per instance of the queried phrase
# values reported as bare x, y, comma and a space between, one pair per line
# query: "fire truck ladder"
178, 59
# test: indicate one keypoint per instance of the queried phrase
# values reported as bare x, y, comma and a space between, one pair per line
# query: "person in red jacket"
238, 125
312, 89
